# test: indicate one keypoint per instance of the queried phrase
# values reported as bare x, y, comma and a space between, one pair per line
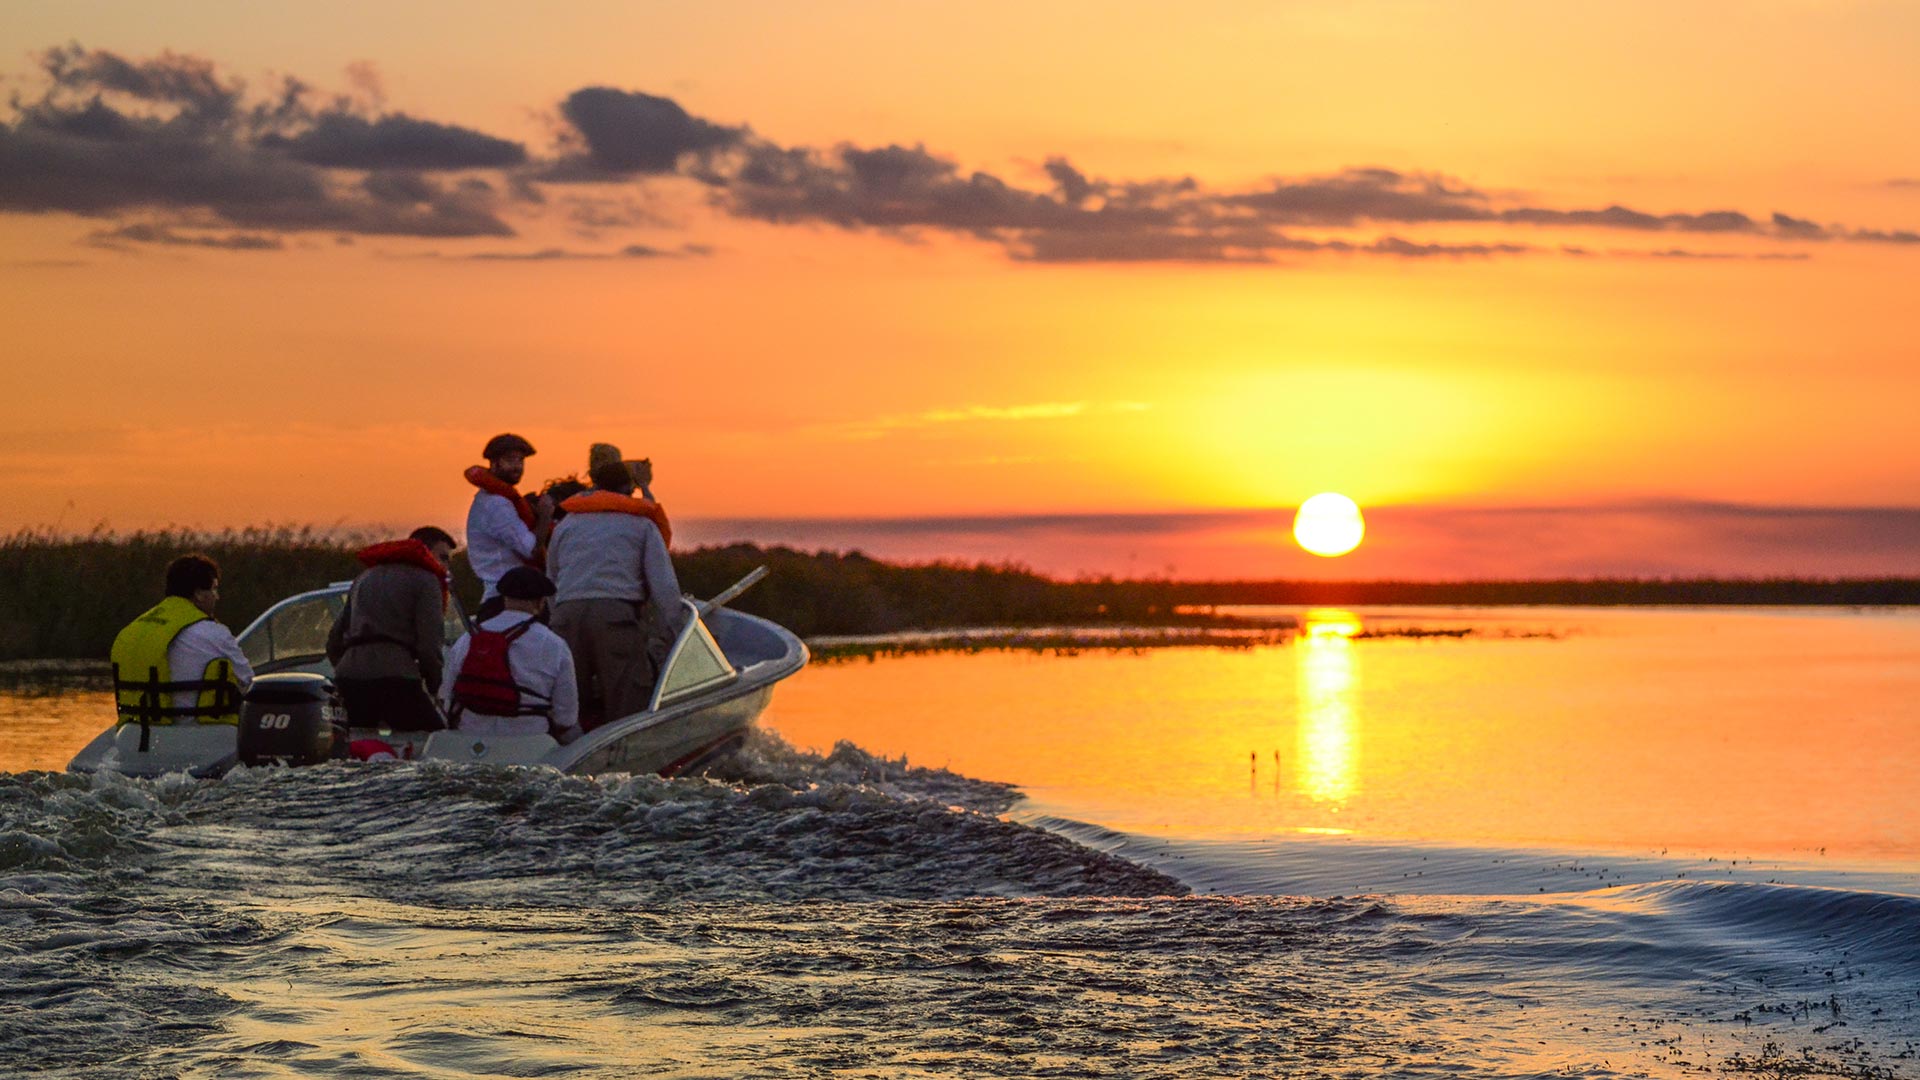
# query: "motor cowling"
291, 718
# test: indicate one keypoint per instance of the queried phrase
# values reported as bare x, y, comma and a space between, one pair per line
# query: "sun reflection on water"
1329, 734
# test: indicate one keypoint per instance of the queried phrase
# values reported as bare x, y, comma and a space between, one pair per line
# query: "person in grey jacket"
617, 603
388, 644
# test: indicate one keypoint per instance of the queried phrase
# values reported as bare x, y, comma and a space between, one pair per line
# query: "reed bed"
67, 596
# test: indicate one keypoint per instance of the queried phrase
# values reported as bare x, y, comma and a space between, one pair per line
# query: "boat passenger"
618, 599
513, 676
177, 648
504, 530
642, 471
386, 645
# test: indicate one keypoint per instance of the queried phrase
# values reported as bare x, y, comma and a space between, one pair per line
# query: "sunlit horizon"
838, 278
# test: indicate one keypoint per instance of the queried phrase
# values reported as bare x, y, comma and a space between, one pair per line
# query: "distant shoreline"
63, 597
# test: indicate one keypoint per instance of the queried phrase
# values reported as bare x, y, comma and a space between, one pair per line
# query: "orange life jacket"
609, 502
482, 477
406, 553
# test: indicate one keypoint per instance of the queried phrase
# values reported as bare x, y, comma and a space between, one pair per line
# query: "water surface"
1602, 844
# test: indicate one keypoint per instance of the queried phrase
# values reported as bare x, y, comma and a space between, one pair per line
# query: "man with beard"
503, 529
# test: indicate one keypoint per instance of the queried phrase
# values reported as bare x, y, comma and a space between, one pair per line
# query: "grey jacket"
391, 627
602, 556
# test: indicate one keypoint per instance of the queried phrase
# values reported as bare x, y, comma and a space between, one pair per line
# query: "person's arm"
228, 648
456, 658
566, 695
337, 637
429, 630
663, 585
501, 523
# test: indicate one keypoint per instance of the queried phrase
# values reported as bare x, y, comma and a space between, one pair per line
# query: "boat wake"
796, 913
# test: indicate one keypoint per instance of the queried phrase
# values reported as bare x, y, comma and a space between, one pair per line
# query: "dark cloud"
339, 140
171, 138
1620, 217
1368, 195
616, 133
109, 136
161, 235
1876, 236
1796, 228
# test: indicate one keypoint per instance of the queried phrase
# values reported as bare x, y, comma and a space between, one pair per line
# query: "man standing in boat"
618, 599
177, 649
512, 675
504, 530
387, 646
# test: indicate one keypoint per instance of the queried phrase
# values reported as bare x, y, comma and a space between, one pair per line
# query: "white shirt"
497, 540
540, 662
197, 646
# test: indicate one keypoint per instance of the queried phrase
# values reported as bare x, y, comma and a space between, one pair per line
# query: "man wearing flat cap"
515, 676
504, 530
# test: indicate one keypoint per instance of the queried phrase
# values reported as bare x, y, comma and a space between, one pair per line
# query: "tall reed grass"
66, 597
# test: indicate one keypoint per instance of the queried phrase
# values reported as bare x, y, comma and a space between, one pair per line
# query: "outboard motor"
291, 718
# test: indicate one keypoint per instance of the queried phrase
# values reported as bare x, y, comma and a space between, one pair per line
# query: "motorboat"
718, 678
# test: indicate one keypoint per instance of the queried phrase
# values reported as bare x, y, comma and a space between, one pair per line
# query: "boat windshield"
696, 663
294, 633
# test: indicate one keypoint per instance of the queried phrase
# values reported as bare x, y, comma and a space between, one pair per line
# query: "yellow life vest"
144, 686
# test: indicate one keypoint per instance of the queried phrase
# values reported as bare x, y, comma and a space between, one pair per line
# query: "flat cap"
506, 443
525, 583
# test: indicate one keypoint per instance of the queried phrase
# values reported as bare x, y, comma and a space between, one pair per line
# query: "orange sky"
1466, 324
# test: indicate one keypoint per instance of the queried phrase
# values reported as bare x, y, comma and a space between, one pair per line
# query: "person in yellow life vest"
176, 663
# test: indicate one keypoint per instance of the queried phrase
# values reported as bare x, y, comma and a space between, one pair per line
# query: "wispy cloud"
877, 427
162, 236
631, 251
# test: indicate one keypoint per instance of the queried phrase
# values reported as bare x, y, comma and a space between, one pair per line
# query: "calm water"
1611, 843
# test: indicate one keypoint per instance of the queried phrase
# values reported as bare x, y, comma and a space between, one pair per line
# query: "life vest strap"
222, 708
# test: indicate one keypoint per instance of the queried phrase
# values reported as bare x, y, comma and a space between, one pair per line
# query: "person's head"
600, 453
560, 491
438, 541
507, 456
525, 589
197, 578
612, 476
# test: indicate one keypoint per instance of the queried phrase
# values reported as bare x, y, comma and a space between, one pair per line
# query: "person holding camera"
617, 599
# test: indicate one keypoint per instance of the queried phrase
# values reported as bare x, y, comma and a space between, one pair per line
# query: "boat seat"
493, 749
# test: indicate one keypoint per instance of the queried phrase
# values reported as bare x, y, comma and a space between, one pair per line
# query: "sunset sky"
1547, 288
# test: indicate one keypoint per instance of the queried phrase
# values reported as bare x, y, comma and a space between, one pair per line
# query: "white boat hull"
707, 714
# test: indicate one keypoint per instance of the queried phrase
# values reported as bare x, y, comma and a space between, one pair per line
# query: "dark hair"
188, 574
560, 491
612, 476
431, 535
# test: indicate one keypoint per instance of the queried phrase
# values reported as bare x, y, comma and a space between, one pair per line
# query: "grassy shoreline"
64, 597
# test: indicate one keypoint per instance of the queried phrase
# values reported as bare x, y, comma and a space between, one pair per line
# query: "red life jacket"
485, 683
612, 502
406, 553
482, 477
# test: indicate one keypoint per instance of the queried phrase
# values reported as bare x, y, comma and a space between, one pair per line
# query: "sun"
1329, 525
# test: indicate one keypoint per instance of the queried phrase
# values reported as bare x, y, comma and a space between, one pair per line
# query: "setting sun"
1329, 524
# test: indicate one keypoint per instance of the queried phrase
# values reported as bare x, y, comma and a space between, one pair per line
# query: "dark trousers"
614, 657
396, 704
